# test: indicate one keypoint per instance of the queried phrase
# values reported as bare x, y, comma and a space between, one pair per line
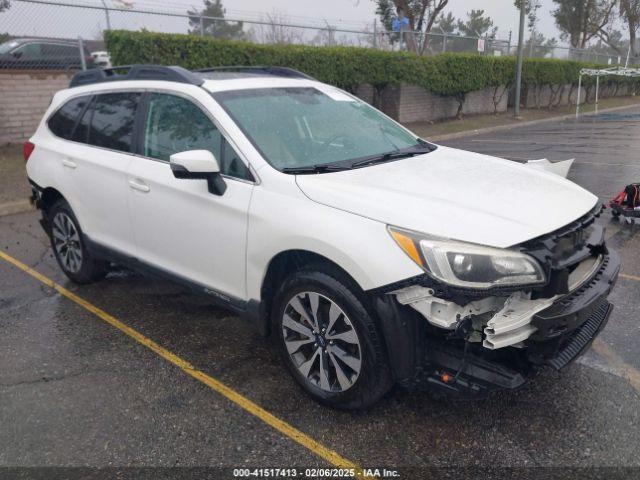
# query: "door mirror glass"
198, 165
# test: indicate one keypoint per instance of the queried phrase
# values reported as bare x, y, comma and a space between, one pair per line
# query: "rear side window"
63, 121
57, 50
112, 119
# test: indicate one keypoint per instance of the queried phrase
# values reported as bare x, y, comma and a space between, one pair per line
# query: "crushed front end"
469, 342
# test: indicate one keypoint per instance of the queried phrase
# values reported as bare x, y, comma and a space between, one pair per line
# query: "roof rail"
135, 72
259, 69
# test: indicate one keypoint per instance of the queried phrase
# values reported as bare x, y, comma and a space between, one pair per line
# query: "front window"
174, 124
297, 128
7, 47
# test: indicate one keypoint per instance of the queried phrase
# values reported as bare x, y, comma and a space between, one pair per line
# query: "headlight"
468, 265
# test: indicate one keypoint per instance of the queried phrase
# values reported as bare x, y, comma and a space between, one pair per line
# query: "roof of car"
182, 75
41, 40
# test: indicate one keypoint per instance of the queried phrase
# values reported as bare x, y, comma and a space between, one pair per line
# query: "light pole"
516, 110
106, 12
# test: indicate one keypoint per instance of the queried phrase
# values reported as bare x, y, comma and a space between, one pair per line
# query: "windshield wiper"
315, 169
385, 157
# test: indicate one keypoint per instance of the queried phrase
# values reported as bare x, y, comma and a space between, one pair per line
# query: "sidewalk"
504, 121
14, 187
15, 191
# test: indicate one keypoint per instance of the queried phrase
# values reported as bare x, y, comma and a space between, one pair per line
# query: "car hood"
455, 194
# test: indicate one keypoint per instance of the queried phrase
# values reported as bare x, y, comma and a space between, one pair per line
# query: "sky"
503, 12
27, 18
356, 13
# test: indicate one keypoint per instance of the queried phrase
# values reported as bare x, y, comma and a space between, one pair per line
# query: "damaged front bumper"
471, 345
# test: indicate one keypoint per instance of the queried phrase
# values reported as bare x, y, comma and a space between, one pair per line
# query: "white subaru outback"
374, 257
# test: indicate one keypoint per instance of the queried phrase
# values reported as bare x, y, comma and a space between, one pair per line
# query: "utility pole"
516, 110
106, 12
375, 33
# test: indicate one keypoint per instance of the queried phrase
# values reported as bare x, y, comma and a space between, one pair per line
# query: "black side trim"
235, 304
254, 313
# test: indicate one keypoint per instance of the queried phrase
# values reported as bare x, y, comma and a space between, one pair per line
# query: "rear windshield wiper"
385, 157
315, 169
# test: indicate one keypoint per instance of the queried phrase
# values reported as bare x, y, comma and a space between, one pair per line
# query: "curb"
510, 126
17, 206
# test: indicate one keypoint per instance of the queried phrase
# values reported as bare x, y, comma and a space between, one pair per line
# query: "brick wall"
410, 103
24, 97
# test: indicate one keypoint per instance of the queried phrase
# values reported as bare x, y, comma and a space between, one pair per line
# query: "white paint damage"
510, 320
560, 168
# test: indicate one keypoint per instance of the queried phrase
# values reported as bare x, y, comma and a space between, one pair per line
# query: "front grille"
582, 336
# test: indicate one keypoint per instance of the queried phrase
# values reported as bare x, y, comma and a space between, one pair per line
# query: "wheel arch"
278, 268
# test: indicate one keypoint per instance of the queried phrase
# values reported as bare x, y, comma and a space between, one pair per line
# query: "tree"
201, 25
630, 12
539, 46
531, 9
581, 20
421, 15
447, 23
477, 25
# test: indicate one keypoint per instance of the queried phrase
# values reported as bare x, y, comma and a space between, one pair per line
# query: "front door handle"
69, 163
139, 185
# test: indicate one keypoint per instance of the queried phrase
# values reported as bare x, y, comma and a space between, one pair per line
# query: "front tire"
69, 247
329, 341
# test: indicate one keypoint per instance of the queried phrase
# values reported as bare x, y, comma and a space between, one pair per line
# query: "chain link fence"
42, 34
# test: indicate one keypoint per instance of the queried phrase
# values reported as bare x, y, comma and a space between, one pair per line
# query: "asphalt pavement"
75, 391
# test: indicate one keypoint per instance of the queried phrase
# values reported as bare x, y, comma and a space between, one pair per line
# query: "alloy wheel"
322, 342
66, 241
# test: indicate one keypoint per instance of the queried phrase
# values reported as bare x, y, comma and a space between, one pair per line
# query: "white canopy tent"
603, 72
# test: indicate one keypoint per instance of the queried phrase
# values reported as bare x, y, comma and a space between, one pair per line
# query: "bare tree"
276, 31
421, 15
630, 11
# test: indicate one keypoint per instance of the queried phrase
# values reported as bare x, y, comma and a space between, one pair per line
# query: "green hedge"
347, 67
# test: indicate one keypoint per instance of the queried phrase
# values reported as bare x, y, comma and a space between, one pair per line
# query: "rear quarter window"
62, 123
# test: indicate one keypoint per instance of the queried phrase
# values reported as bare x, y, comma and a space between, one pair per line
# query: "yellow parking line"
630, 277
280, 425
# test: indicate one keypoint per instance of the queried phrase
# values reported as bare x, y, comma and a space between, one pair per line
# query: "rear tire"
329, 341
69, 246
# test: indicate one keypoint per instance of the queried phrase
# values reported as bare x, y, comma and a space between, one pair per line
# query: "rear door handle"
69, 163
139, 185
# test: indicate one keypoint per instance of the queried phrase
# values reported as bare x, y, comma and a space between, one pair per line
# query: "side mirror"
198, 165
16, 54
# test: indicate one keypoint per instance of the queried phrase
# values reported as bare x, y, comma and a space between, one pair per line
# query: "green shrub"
454, 74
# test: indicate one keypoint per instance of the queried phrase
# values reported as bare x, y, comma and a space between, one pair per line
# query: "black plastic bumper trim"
583, 336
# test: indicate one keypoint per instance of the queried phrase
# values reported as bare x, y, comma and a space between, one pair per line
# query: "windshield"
310, 127
7, 46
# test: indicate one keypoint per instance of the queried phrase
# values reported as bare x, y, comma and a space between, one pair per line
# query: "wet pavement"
74, 391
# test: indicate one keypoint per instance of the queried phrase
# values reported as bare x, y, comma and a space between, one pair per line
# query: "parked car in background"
34, 53
101, 59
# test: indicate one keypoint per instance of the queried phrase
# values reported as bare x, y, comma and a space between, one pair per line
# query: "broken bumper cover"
567, 328
563, 330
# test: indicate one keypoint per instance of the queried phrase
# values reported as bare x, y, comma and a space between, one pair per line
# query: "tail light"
27, 150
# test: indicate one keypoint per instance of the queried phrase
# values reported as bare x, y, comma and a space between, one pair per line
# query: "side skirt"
223, 300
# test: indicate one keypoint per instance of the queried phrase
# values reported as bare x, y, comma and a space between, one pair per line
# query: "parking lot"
75, 390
